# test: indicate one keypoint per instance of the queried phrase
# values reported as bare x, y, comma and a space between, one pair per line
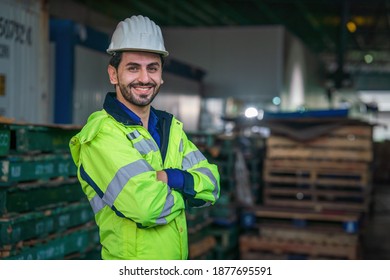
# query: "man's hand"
162, 176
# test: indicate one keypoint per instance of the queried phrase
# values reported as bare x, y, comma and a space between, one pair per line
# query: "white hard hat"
137, 33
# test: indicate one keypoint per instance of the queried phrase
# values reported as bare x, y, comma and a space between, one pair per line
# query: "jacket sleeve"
201, 178
114, 174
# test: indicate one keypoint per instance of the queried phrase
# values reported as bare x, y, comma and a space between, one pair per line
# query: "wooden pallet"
347, 143
297, 163
266, 255
345, 137
322, 173
317, 199
303, 217
319, 153
326, 235
202, 247
250, 243
317, 184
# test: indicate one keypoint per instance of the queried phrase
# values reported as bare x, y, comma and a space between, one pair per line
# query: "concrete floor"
376, 234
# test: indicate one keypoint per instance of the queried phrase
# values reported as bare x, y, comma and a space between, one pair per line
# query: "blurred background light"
251, 112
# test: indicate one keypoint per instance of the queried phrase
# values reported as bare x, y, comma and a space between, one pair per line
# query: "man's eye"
132, 69
152, 69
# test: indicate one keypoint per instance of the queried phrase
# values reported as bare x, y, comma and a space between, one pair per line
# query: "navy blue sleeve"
175, 178
183, 182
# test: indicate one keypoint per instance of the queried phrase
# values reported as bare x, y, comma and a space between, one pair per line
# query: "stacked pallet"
329, 172
316, 170
285, 233
43, 211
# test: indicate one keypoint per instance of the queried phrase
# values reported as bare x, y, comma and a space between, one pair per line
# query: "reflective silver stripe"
192, 159
121, 178
206, 204
181, 146
97, 204
169, 202
145, 145
133, 135
209, 174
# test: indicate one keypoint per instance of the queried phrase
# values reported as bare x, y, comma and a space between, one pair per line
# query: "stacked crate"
201, 242
199, 220
222, 234
316, 190
43, 211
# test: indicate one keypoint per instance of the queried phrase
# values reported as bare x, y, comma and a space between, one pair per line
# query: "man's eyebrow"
133, 64
137, 64
154, 64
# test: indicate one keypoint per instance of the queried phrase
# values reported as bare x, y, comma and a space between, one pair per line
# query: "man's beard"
138, 100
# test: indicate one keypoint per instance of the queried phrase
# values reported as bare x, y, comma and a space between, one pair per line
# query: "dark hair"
116, 58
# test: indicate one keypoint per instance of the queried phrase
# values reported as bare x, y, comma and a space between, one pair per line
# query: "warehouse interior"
289, 98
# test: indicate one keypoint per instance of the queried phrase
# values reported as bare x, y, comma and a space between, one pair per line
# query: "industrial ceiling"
349, 35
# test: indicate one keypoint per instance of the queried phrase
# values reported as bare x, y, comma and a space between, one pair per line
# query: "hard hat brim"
112, 51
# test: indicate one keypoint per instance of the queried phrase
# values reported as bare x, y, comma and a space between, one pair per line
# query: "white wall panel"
180, 97
302, 84
242, 62
24, 49
91, 83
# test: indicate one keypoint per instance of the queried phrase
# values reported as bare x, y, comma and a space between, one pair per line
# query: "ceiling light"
251, 112
351, 26
276, 100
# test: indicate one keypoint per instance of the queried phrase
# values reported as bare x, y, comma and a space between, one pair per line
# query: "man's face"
138, 78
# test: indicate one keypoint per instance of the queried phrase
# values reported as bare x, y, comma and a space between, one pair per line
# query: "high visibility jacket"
138, 216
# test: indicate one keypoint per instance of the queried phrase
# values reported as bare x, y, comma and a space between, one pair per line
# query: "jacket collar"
113, 108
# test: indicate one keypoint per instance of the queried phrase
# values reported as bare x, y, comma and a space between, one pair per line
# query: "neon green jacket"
138, 216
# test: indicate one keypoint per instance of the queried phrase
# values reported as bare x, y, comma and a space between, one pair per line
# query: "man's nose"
143, 76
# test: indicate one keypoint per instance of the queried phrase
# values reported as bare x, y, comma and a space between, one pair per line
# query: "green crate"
39, 167
58, 246
34, 225
204, 139
224, 211
5, 139
34, 196
91, 254
198, 219
225, 168
41, 138
227, 237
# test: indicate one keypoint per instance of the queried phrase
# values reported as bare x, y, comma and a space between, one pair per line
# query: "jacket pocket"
127, 233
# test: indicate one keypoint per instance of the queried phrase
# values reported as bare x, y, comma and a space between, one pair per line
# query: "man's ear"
112, 74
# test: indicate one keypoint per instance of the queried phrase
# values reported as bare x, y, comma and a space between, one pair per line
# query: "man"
135, 163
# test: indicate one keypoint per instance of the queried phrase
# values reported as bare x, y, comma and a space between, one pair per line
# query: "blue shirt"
175, 176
